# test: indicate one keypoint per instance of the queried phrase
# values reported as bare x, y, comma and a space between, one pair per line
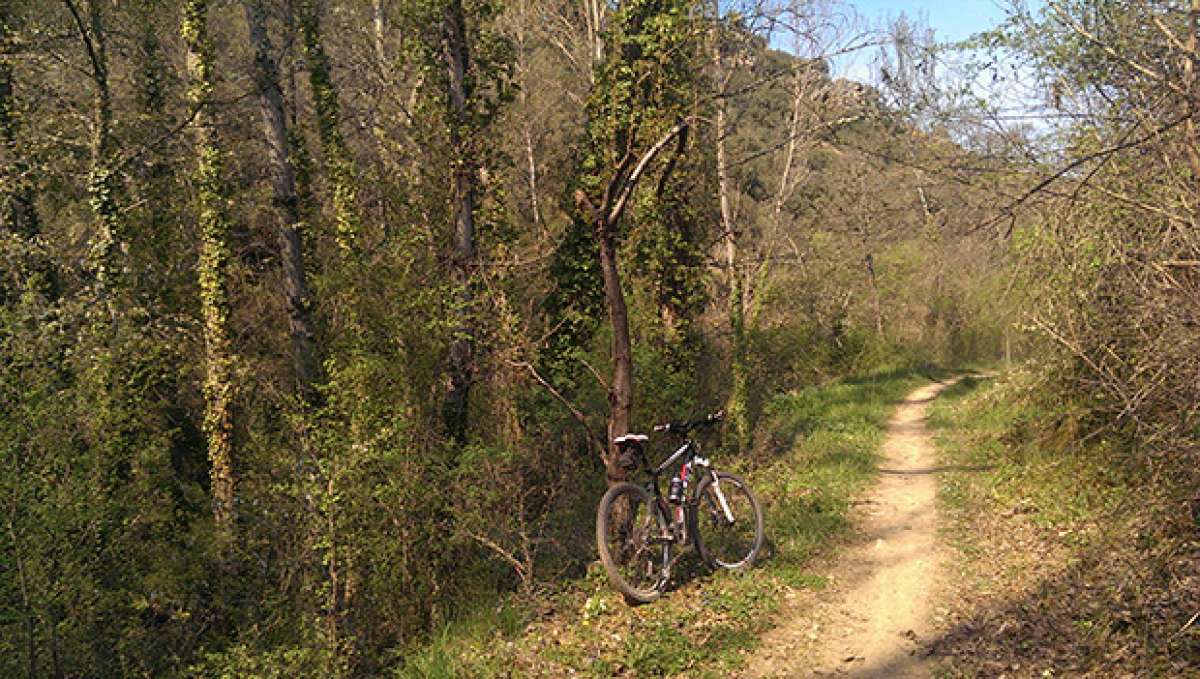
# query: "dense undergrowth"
817, 451
1073, 559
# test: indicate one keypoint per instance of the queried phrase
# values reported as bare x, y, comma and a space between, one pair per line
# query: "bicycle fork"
679, 524
716, 484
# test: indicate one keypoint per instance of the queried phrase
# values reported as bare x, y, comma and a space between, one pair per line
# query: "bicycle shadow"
690, 569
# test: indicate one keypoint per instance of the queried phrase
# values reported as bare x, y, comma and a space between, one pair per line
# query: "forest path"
871, 620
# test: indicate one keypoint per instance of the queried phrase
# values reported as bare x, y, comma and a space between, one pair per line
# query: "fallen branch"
1186, 625
502, 553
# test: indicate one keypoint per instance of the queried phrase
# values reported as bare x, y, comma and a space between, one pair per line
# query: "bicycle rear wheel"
727, 522
630, 536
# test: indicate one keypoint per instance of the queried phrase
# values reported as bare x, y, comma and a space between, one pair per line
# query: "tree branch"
666, 173
1110, 51
98, 70
575, 412
630, 183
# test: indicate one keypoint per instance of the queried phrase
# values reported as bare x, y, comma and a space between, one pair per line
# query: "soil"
876, 613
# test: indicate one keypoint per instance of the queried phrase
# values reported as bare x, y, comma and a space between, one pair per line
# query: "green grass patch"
1023, 455
817, 451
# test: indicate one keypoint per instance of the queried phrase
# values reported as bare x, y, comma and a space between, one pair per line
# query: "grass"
1049, 525
1027, 453
817, 452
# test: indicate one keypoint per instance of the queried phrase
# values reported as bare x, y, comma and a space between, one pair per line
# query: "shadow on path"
1093, 618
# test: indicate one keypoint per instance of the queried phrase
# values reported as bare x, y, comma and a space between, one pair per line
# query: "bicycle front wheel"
631, 536
727, 522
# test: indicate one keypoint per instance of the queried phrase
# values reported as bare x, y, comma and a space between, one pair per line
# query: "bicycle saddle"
631, 447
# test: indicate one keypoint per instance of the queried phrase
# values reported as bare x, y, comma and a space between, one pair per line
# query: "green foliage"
669, 252
646, 84
242, 660
575, 306
106, 508
213, 273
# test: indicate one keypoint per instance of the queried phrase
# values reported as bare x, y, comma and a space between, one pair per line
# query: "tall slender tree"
283, 185
737, 405
465, 188
339, 166
108, 244
151, 216
213, 270
635, 113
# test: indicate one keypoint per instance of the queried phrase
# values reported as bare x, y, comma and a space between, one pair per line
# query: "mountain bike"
638, 529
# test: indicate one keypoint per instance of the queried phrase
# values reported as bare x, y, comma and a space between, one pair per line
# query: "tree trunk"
340, 171
789, 161
301, 159
283, 184
102, 184
869, 261
378, 31
465, 173
524, 18
213, 272
593, 19
864, 232
154, 179
620, 391
107, 245
329, 120
531, 163
738, 405
605, 220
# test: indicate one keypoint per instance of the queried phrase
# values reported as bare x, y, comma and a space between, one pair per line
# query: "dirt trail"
871, 620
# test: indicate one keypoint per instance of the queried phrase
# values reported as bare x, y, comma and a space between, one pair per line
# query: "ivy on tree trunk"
338, 164
213, 271
635, 111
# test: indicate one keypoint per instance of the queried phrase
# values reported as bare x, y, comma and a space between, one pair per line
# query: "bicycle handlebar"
685, 427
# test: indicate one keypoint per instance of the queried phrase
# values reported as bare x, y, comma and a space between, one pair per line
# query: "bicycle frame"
687, 455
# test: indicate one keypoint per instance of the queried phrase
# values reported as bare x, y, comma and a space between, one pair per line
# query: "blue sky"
951, 20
